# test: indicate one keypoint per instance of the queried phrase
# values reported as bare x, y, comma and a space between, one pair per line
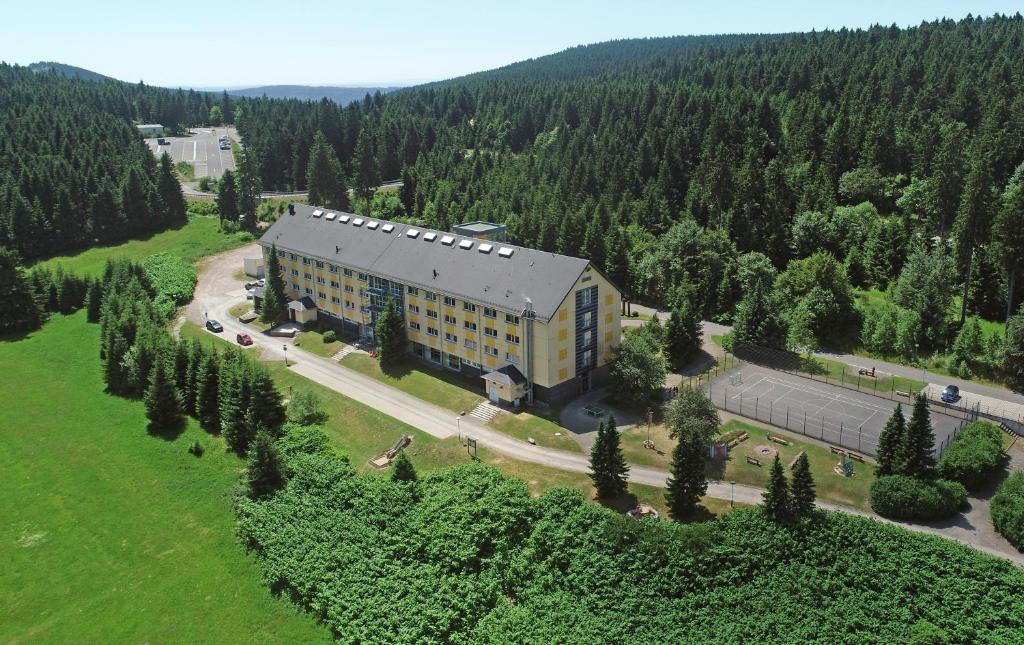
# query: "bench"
855, 456
778, 440
738, 440
905, 395
754, 461
797, 458
837, 451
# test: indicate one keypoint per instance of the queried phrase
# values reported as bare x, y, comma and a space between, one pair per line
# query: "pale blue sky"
260, 42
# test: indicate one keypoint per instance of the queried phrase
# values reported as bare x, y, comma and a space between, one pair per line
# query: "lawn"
544, 429
112, 535
441, 387
850, 491
313, 341
198, 238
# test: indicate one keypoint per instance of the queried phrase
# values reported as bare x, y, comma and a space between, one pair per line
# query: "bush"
171, 276
330, 336
202, 207
306, 408
905, 498
196, 449
974, 457
1008, 510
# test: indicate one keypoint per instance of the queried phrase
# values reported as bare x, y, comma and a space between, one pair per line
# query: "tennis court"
834, 414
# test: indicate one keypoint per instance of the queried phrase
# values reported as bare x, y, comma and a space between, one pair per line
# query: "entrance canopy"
506, 383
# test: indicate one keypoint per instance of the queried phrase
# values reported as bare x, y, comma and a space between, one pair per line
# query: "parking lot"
837, 415
201, 148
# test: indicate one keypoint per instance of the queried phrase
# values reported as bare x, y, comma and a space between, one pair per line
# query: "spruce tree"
233, 396
366, 173
402, 470
19, 310
264, 471
274, 307
207, 409
169, 190
163, 407
919, 446
687, 483
598, 459
324, 178
682, 336
776, 497
265, 401
227, 197
390, 335
93, 301
890, 444
802, 488
608, 466
247, 188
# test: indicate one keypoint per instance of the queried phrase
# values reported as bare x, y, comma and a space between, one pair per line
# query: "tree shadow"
168, 433
620, 504
700, 363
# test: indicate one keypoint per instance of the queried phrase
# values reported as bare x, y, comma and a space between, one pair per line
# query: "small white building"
254, 267
150, 129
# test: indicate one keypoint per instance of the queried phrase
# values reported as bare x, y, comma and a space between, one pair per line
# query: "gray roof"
506, 283
305, 302
506, 375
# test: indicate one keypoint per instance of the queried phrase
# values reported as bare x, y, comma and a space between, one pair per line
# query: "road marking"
194, 145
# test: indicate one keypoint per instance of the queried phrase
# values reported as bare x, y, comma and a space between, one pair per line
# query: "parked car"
214, 326
224, 145
261, 283
161, 141
951, 394
244, 339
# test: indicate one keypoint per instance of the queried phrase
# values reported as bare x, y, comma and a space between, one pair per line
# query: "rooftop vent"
357, 221
387, 228
330, 217
344, 219
447, 240
505, 252
485, 248
430, 237
466, 244
412, 232
372, 225
317, 213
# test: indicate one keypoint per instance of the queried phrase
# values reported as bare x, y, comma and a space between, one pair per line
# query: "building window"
349, 288
470, 343
448, 300
511, 319
305, 260
309, 291
469, 363
511, 358
307, 275
430, 295
413, 291
451, 338
450, 319
491, 351
471, 326
414, 309
431, 313
295, 272
490, 332
490, 313
333, 268
349, 304
469, 306
320, 280
586, 297
295, 287
319, 264
292, 257
512, 338
588, 338
347, 272
431, 331
454, 362
362, 277
321, 295
335, 284
415, 326
280, 254
336, 300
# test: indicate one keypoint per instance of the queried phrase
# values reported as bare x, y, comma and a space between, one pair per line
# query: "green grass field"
196, 239
435, 385
109, 534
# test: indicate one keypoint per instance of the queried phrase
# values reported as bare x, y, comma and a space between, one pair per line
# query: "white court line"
834, 397
194, 144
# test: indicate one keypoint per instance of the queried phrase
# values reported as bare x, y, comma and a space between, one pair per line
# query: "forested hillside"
73, 170
666, 160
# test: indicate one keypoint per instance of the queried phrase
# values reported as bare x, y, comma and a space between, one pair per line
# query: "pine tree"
683, 337
247, 187
264, 471
207, 410
802, 488
390, 335
365, 161
233, 398
890, 444
169, 191
274, 306
265, 401
163, 407
19, 310
403, 471
919, 447
324, 179
609, 469
93, 301
687, 483
777, 502
227, 197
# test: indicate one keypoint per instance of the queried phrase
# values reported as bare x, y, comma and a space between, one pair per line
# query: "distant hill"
340, 95
70, 71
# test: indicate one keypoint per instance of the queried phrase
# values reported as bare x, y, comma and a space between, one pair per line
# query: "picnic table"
593, 410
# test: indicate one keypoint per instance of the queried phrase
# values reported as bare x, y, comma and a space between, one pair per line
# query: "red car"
244, 339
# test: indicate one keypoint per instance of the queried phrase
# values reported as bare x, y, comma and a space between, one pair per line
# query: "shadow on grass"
167, 433
409, 365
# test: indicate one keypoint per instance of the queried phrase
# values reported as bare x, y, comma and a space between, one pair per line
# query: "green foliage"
324, 178
802, 493
687, 481
389, 333
816, 295
264, 471
1008, 510
924, 287
402, 470
905, 498
298, 440
608, 468
758, 318
173, 278
19, 310
195, 448
692, 409
227, 197
306, 408
637, 369
163, 407
778, 505
274, 307
891, 441
330, 336
974, 457
1013, 349
919, 444
683, 337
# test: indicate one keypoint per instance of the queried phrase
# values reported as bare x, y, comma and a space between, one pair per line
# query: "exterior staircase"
485, 411
345, 351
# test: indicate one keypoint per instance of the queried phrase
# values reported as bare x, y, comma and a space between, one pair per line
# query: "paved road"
202, 149
217, 290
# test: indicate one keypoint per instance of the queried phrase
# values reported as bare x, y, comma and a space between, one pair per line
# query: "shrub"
974, 457
905, 498
306, 408
1008, 510
171, 276
330, 336
196, 449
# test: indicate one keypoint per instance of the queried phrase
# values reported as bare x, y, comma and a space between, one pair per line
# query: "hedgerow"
173, 278
905, 498
974, 457
1008, 510
467, 555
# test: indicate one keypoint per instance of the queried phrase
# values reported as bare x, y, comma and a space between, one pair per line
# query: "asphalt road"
201, 148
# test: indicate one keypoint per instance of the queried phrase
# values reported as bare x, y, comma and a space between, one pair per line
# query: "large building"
533, 324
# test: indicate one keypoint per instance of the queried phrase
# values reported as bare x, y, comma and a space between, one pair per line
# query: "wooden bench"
796, 459
738, 440
754, 461
837, 451
778, 440
905, 395
855, 456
